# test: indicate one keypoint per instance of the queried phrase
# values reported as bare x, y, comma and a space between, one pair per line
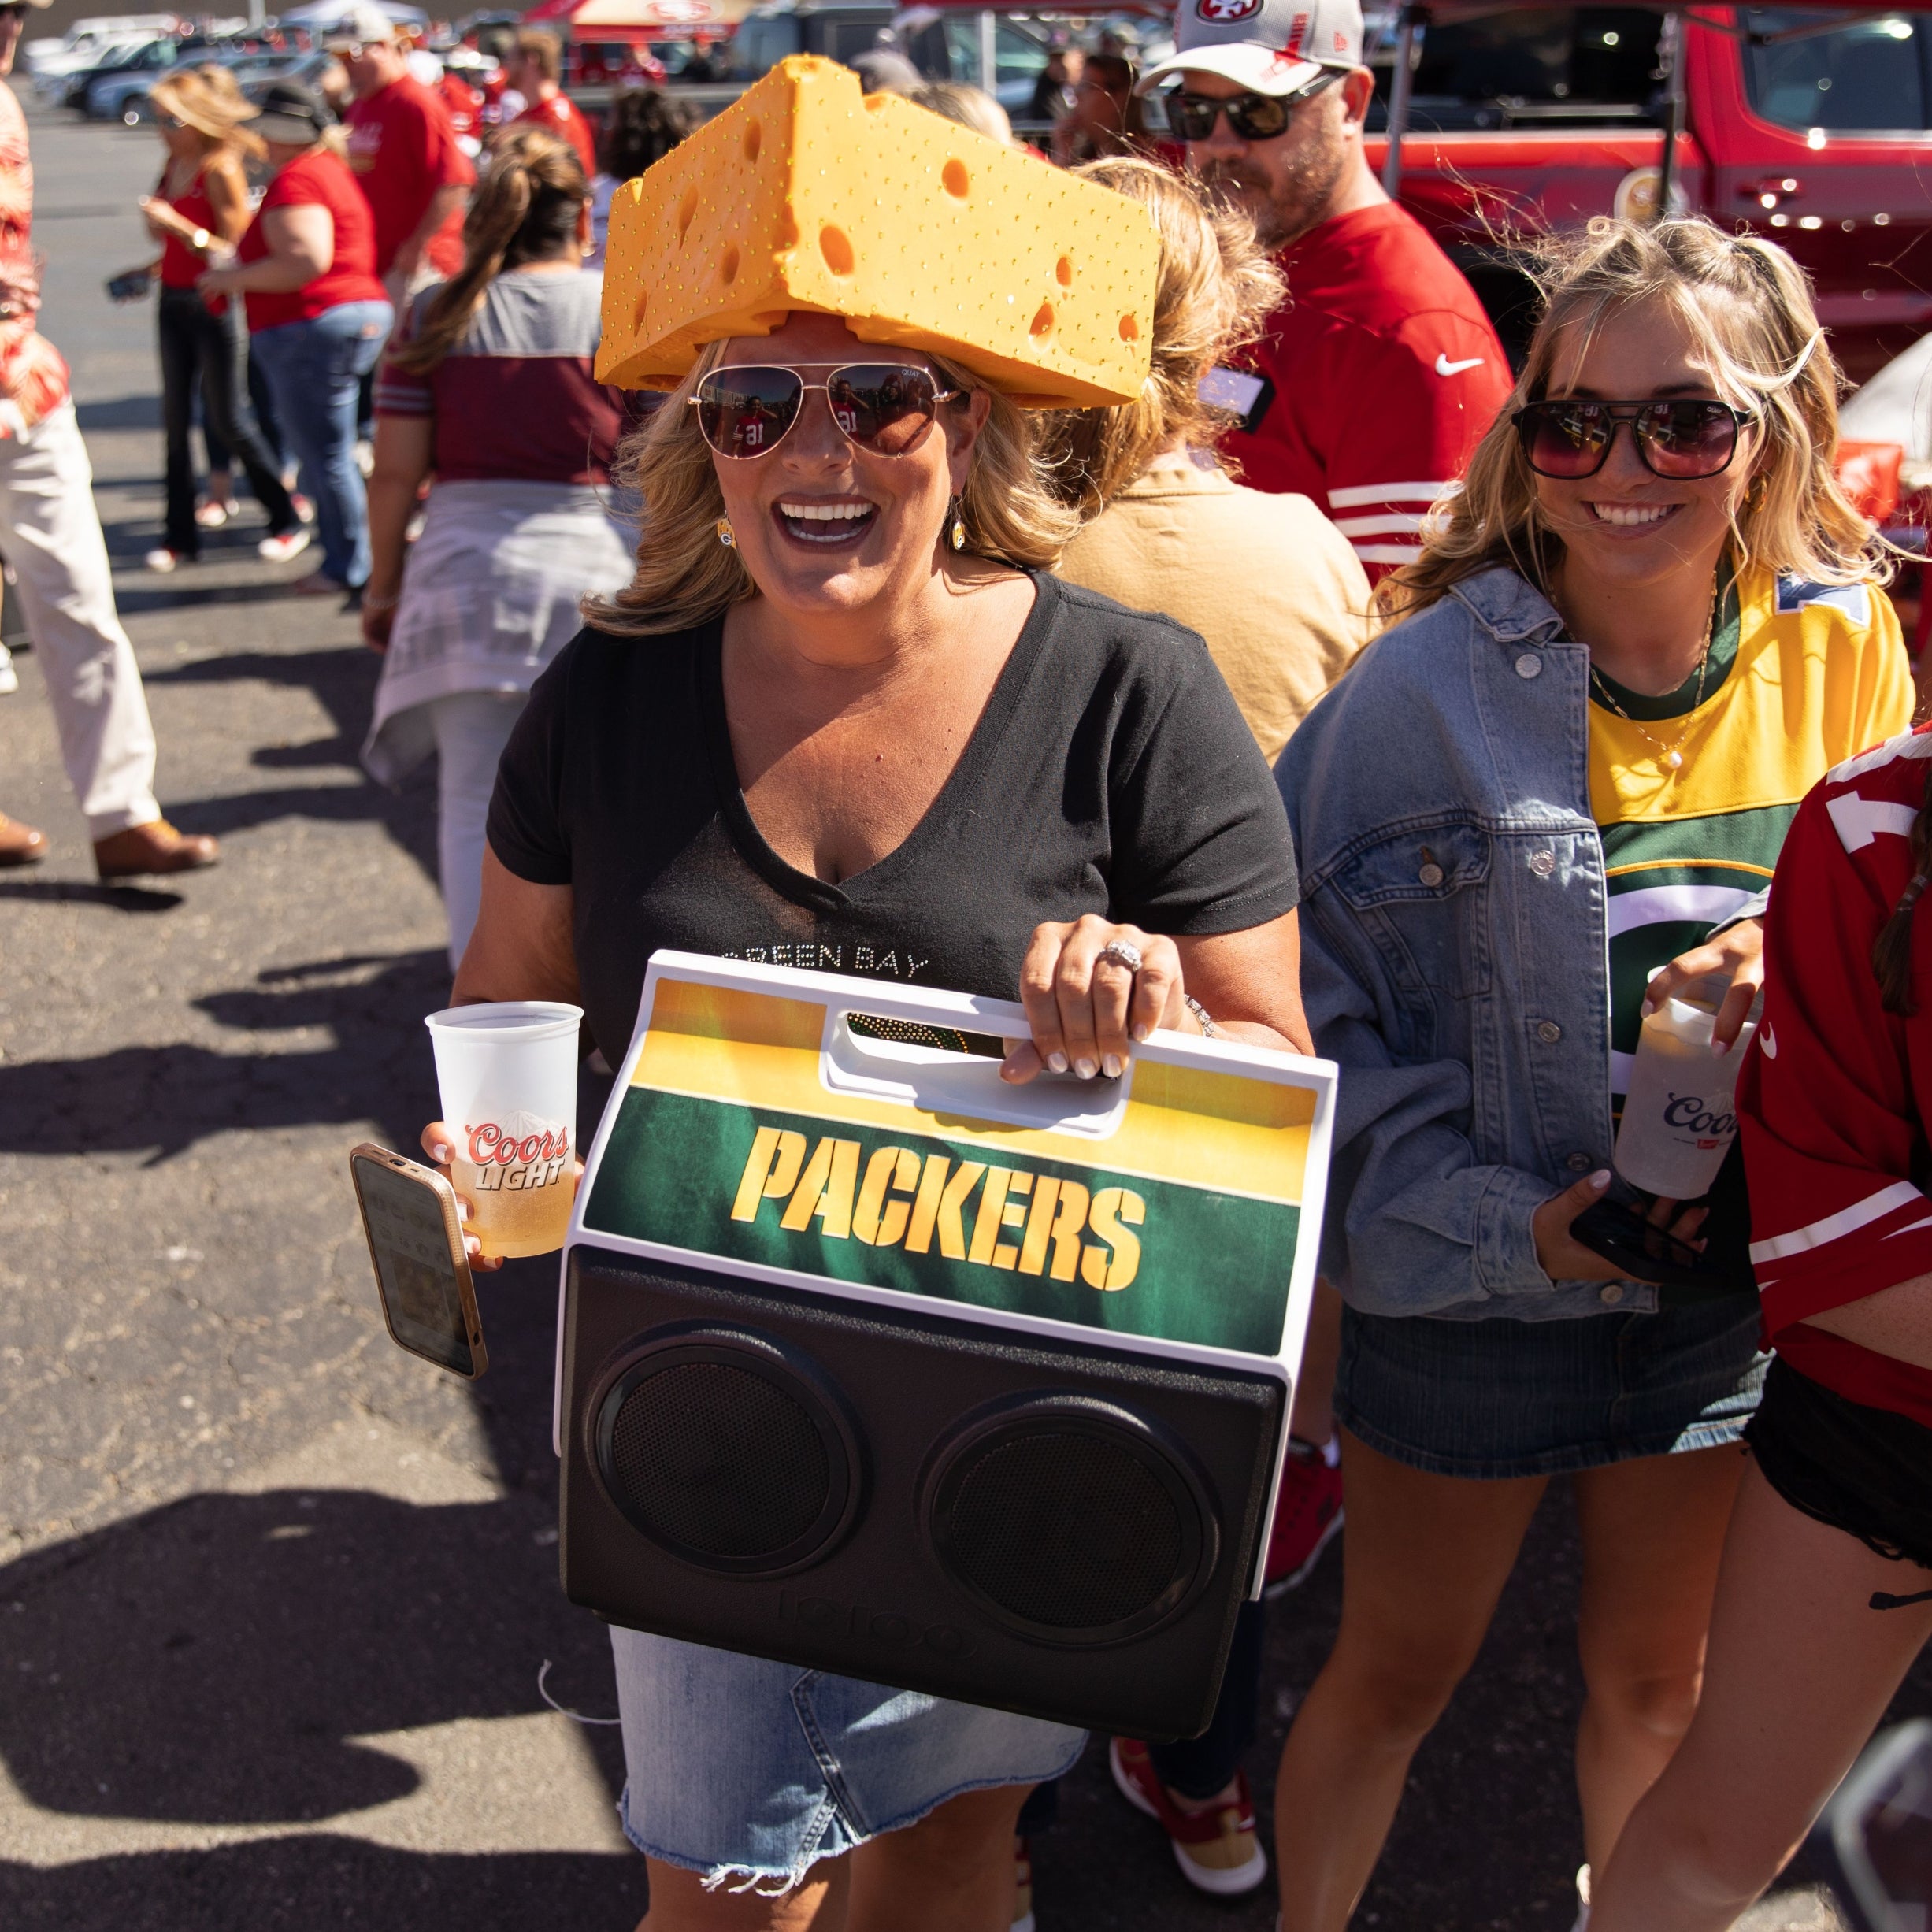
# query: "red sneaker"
1216, 1849
1307, 1514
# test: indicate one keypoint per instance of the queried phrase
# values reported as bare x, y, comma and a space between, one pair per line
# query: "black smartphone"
130, 286
416, 1246
1875, 1837
1239, 390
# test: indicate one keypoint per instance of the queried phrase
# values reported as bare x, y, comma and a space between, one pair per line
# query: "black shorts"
1864, 1470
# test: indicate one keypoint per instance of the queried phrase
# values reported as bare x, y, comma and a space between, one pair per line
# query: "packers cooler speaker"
873, 1363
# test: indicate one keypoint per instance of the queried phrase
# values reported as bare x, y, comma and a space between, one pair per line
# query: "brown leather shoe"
156, 847
21, 845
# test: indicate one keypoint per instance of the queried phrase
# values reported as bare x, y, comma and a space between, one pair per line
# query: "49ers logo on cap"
1221, 12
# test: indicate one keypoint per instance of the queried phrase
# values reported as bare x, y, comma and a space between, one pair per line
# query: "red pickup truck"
1814, 127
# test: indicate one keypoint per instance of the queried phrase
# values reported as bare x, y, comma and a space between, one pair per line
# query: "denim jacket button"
1542, 864
1529, 665
1549, 1033
1611, 1294
1577, 1162
1431, 874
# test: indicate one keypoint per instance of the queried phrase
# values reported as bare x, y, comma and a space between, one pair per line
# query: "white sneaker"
9, 678
290, 543
1583, 1899
212, 516
366, 458
161, 562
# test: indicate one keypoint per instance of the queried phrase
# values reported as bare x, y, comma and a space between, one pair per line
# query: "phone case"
452, 1229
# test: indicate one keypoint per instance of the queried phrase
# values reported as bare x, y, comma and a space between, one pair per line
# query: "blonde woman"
1276, 591
1648, 623
843, 704
198, 212
489, 386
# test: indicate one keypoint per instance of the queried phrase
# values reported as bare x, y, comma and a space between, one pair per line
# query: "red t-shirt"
320, 179
403, 148
1835, 1093
1386, 373
464, 105
558, 116
181, 267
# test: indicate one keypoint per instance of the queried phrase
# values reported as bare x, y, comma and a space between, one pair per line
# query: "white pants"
50, 533
471, 728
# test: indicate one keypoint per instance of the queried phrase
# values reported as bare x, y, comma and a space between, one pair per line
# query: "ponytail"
1891, 952
524, 209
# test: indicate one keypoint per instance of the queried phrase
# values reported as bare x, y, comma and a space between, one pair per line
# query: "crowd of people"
1379, 700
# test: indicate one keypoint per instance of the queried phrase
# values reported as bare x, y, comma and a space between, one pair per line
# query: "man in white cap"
402, 145
1379, 374
50, 532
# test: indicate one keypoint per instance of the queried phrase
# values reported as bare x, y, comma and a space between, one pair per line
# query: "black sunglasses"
883, 407
1253, 116
1571, 438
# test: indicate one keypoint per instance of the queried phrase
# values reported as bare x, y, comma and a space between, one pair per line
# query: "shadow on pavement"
164, 1099
79, 893
343, 679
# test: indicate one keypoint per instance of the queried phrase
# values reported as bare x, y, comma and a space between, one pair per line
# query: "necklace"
1672, 755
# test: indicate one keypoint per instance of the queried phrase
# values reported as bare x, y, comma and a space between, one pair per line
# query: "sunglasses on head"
1253, 116
886, 408
1571, 438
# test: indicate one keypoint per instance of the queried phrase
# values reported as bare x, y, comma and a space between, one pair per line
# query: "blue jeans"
314, 368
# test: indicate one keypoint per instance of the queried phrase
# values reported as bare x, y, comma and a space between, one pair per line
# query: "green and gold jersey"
1800, 677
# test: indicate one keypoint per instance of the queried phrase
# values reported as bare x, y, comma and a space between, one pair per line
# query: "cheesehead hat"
806, 194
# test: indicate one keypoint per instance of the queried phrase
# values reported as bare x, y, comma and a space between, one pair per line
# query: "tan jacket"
1273, 587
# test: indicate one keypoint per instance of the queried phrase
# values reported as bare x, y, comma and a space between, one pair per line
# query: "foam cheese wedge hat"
806, 194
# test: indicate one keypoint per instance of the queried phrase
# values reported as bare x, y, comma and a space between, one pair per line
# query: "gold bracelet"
200, 241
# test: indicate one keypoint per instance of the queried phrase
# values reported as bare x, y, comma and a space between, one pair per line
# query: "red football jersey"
558, 115
1385, 374
1835, 1092
402, 149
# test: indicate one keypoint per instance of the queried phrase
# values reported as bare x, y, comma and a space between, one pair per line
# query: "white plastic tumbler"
1679, 1117
507, 1072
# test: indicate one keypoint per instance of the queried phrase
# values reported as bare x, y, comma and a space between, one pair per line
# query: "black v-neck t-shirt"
1109, 771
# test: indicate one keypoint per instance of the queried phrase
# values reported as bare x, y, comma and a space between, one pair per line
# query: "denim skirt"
1496, 1398
750, 1771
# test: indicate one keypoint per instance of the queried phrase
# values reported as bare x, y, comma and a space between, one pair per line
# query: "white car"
84, 42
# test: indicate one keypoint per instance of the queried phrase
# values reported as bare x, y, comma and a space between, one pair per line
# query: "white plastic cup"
507, 1072
1679, 1118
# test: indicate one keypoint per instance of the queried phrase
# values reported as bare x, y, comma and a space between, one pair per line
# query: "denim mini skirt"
1496, 1398
751, 1771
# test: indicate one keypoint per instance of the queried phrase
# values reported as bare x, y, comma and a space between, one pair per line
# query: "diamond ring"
1122, 952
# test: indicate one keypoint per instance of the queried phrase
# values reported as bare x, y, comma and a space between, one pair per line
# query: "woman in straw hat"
198, 213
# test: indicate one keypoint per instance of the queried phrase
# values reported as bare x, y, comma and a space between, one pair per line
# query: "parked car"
125, 96
146, 57
86, 41
1819, 136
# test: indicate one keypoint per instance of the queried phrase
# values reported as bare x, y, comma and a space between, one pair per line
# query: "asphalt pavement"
275, 1598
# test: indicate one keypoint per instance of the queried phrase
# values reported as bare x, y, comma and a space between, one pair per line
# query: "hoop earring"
726, 535
1755, 492
956, 531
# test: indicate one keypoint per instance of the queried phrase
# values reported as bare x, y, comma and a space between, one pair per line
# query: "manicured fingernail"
1721, 1047
443, 1152
463, 1210
1084, 1069
1141, 1031
1600, 1180
472, 1245
1109, 1065
1057, 1062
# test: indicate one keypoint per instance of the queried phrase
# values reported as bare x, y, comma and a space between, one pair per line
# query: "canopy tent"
637, 22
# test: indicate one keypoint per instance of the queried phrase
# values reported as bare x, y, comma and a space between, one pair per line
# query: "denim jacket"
1455, 955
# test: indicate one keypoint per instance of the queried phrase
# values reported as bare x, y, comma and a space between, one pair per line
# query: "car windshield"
1870, 76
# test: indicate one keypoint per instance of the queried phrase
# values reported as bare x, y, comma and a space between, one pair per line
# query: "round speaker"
727, 1450
1069, 1519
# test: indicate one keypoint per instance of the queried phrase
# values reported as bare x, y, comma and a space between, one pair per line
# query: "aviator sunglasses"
1253, 116
1571, 438
886, 408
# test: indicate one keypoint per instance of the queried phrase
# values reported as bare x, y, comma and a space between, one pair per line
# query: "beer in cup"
1679, 1117
507, 1072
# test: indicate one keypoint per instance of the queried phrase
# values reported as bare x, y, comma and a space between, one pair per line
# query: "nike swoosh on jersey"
1445, 367
1768, 1041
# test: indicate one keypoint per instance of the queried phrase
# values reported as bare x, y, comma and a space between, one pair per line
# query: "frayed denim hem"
766, 1881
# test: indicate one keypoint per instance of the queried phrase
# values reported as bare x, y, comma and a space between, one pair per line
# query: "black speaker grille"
719, 1460
1064, 1529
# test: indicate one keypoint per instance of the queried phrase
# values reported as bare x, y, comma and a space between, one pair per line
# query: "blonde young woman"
843, 702
1276, 591
488, 385
1646, 627
198, 212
